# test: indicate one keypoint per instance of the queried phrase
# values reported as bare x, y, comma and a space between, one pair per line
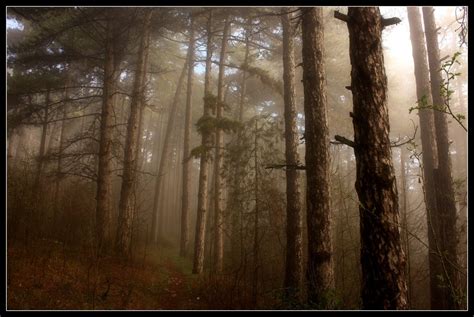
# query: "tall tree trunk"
446, 203
165, 156
218, 199
130, 164
423, 92
60, 153
104, 179
320, 273
256, 253
382, 257
294, 215
202, 208
186, 153
237, 186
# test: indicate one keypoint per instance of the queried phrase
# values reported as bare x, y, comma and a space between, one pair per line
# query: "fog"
137, 182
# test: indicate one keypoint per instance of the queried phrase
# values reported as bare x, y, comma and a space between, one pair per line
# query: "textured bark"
130, 164
294, 215
320, 252
104, 179
202, 208
446, 203
429, 148
382, 257
157, 215
219, 181
187, 133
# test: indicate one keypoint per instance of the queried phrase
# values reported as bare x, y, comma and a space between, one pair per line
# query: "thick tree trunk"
382, 257
157, 215
423, 91
294, 215
187, 134
202, 208
320, 262
446, 203
219, 186
130, 164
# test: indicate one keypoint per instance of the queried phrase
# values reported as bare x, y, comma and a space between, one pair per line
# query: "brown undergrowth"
47, 276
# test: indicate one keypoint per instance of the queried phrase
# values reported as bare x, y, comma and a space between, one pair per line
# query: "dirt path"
175, 294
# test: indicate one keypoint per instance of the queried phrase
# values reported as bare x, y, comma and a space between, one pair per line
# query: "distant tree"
157, 214
186, 149
429, 159
446, 204
294, 214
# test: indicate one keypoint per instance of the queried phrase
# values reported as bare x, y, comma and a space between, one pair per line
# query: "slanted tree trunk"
157, 215
320, 274
382, 257
219, 186
446, 203
429, 148
294, 215
130, 164
186, 152
202, 208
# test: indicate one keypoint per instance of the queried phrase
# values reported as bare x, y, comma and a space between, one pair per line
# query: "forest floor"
49, 276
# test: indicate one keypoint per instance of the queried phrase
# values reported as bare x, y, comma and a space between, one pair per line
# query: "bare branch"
343, 140
340, 16
287, 166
